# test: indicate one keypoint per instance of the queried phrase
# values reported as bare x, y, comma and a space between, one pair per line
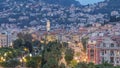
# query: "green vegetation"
91, 65
10, 63
23, 41
69, 55
52, 55
8, 57
34, 61
9, 53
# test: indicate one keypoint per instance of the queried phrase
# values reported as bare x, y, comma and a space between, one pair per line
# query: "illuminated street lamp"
1, 59
5, 54
30, 55
21, 60
24, 59
4, 60
78, 61
85, 59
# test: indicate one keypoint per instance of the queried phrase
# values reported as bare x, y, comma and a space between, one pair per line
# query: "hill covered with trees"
63, 2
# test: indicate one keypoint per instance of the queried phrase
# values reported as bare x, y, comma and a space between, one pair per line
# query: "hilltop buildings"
103, 41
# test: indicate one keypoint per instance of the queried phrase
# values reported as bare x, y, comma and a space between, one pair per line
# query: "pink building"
103, 49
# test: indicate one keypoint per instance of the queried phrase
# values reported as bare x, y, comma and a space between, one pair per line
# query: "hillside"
62, 2
112, 5
36, 12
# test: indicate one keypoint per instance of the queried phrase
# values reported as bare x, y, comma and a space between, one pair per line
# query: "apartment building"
3, 40
6, 39
103, 49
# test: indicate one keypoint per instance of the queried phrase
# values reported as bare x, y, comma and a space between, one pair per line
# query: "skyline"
85, 2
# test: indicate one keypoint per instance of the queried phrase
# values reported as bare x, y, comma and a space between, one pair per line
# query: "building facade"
103, 49
6, 39
3, 40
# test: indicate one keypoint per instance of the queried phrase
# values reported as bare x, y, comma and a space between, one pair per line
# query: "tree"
10, 53
23, 41
69, 55
36, 60
62, 65
29, 46
73, 63
11, 63
91, 65
51, 63
17, 43
104, 65
82, 65
31, 63
25, 37
36, 43
52, 51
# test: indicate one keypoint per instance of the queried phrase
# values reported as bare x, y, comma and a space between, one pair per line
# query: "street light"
30, 55
1, 59
10, 52
21, 60
5, 54
24, 59
4, 60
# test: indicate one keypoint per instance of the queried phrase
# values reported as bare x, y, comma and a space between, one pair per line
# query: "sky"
85, 2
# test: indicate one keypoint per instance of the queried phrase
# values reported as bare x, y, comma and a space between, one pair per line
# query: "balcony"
108, 47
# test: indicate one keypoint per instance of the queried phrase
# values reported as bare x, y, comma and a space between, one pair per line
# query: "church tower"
48, 25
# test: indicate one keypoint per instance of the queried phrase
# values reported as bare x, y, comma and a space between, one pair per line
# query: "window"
112, 53
91, 52
102, 59
112, 45
118, 52
102, 52
105, 51
111, 59
104, 45
117, 61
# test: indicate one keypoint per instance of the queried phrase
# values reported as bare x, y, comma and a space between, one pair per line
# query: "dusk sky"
84, 2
